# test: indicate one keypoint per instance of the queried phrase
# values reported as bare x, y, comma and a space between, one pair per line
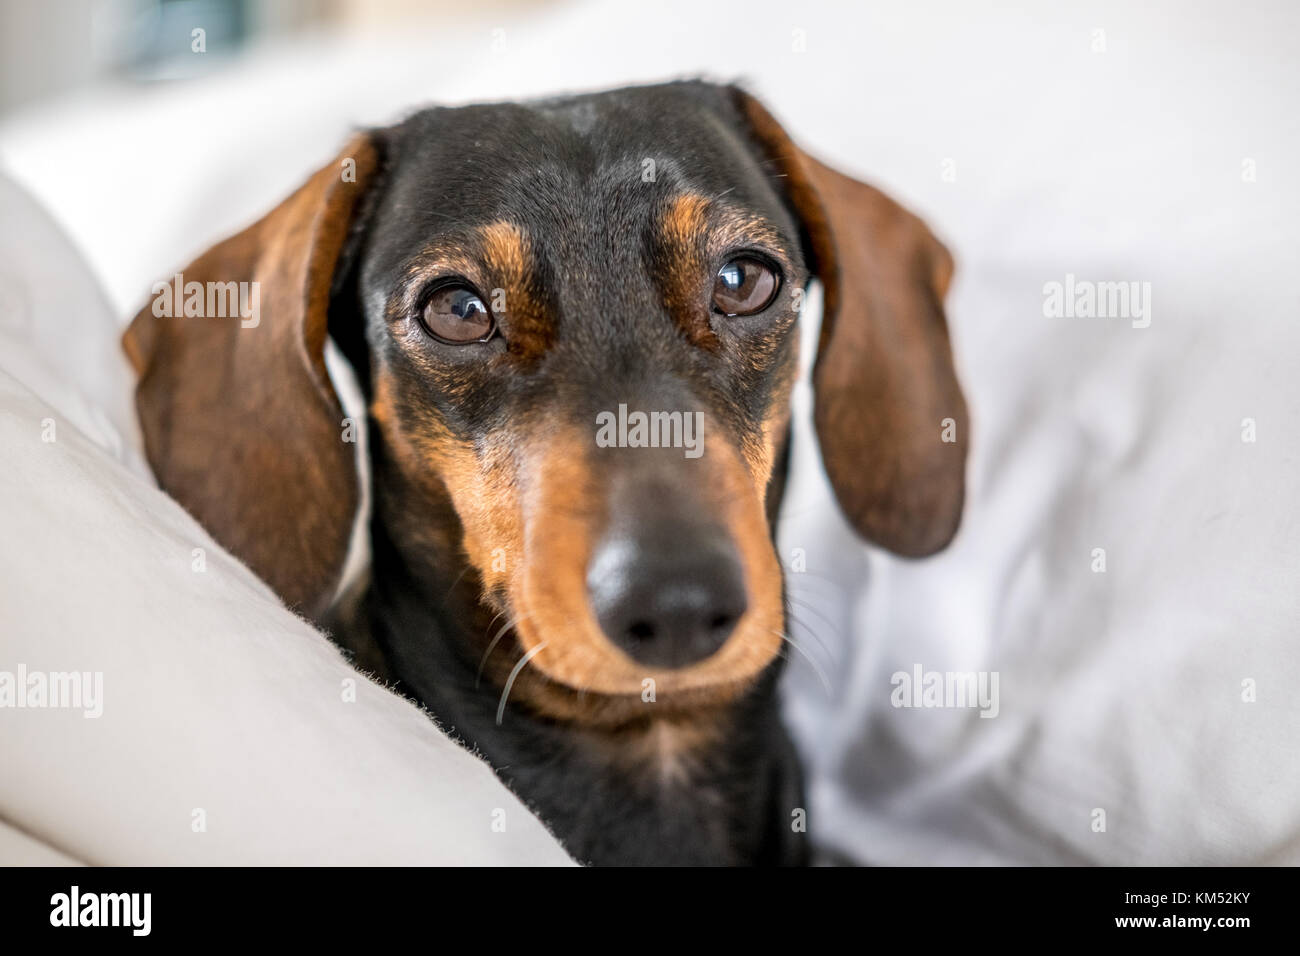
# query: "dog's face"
576, 322
536, 281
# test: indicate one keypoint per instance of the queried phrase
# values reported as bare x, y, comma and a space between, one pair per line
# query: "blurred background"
140, 41
134, 40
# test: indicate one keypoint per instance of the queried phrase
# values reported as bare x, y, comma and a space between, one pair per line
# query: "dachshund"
574, 322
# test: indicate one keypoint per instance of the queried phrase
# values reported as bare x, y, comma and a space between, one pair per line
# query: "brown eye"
744, 286
456, 315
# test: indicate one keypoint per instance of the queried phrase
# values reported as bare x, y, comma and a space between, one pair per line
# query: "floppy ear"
883, 382
240, 421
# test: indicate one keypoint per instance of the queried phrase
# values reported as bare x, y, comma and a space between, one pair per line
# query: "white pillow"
218, 728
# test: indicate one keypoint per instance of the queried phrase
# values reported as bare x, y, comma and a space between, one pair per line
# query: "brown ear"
883, 382
240, 421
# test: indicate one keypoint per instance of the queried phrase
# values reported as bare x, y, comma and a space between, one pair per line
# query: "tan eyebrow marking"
686, 221
507, 250
508, 253
704, 226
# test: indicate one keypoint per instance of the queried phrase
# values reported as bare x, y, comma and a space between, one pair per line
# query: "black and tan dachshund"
575, 323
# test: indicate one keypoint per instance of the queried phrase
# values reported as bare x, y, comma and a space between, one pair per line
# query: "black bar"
336, 905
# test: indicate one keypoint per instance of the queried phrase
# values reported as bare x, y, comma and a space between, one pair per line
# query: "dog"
598, 611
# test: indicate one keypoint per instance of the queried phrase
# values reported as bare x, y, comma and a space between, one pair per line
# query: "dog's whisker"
804, 626
808, 657
478, 677
510, 681
813, 610
495, 617
460, 577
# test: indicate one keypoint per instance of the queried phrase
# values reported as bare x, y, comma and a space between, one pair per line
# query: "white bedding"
211, 726
1035, 156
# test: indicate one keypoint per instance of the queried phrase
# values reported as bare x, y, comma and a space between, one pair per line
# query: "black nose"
668, 597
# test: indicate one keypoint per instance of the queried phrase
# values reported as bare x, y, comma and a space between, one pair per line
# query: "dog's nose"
669, 597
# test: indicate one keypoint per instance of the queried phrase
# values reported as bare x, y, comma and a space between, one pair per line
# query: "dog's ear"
241, 423
890, 415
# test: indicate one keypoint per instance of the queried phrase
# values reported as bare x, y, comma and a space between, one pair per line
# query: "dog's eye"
455, 314
744, 286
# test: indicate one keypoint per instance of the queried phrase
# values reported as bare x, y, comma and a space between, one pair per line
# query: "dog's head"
575, 322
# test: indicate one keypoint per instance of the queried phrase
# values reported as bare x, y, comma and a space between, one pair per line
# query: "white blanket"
1146, 713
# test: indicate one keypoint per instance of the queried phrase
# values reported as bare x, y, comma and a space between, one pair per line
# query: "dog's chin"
558, 700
